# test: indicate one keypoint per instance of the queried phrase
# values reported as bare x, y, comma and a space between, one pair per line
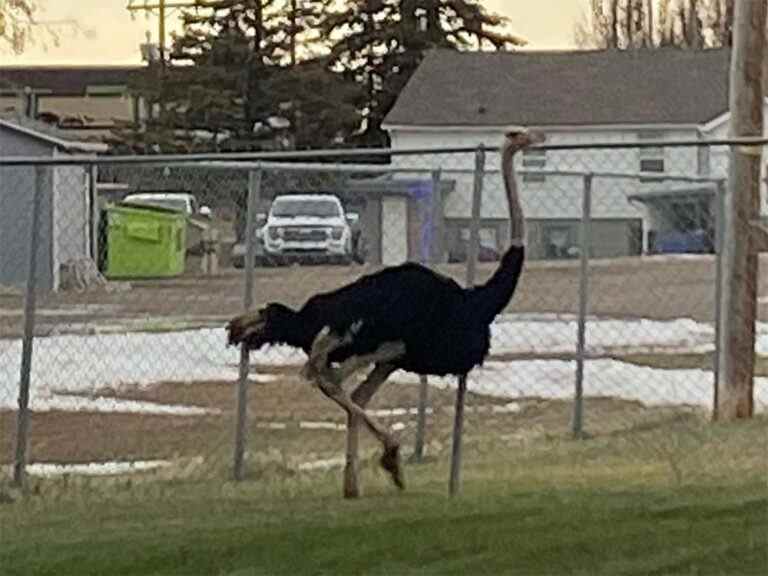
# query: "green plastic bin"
145, 242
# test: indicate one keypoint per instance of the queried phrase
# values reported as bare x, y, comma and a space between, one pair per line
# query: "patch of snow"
508, 408
86, 363
49, 470
555, 379
327, 464
272, 425
261, 378
46, 403
321, 426
513, 334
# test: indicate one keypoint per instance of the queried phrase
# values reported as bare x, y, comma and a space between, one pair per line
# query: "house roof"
47, 133
65, 80
663, 86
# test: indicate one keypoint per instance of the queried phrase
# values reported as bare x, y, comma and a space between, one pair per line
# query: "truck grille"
305, 235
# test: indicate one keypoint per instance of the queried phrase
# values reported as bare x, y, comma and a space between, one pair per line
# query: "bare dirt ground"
658, 288
290, 417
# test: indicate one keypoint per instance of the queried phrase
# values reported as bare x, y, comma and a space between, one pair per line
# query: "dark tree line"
265, 74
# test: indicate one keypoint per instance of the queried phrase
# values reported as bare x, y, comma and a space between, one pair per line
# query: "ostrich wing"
395, 304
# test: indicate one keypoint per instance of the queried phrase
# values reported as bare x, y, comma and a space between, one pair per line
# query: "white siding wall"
70, 216
719, 157
394, 221
558, 196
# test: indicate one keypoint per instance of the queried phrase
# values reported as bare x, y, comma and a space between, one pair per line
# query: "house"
66, 217
86, 101
469, 98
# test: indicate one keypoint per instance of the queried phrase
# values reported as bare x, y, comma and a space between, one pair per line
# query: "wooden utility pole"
294, 22
162, 7
734, 397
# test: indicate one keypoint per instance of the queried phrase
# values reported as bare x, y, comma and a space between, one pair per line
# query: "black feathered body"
445, 328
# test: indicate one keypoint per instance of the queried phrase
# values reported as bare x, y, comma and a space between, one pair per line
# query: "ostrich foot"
390, 461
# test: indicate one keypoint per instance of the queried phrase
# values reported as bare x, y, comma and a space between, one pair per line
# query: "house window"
651, 159
536, 160
560, 240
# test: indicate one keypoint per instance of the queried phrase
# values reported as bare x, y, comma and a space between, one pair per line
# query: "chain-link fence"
116, 359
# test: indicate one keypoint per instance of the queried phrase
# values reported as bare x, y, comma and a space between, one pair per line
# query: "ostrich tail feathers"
243, 327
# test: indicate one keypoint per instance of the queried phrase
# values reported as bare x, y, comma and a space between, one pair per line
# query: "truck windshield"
294, 208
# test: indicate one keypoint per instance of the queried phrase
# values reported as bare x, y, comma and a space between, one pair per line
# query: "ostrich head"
515, 140
274, 323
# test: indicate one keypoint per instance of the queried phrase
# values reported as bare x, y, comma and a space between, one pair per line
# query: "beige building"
84, 100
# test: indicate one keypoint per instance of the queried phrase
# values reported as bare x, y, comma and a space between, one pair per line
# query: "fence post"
254, 191
474, 226
436, 253
22, 424
93, 211
438, 219
474, 239
585, 244
719, 231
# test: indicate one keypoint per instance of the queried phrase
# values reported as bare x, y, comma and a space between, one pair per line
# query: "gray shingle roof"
65, 80
60, 138
668, 86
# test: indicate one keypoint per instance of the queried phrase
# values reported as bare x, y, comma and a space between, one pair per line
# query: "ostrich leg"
330, 383
360, 396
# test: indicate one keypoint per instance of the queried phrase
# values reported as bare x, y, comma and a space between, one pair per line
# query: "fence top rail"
388, 170
298, 155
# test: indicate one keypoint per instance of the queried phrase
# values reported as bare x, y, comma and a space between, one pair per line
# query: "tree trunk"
697, 41
649, 12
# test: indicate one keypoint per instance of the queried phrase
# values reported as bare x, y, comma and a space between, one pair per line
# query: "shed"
66, 224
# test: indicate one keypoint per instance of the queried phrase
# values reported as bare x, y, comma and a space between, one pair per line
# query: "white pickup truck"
304, 228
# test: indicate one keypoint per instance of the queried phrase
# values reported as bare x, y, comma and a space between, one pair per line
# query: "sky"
108, 35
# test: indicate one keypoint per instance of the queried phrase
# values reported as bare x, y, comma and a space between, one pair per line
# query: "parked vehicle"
460, 253
304, 228
181, 201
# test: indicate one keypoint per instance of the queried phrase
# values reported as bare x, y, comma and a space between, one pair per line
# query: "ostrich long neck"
516, 219
487, 301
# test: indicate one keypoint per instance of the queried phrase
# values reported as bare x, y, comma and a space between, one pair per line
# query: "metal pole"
586, 242
474, 226
254, 191
719, 231
22, 424
474, 239
436, 256
458, 430
421, 422
93, 213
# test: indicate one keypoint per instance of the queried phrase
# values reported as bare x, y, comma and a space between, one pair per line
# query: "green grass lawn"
685, 498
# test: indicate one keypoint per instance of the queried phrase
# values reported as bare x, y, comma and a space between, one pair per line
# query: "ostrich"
404, 317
